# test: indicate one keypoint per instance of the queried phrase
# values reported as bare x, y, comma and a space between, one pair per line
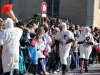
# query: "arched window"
53, 7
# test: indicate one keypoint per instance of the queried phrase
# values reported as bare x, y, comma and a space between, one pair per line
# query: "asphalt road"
94, 70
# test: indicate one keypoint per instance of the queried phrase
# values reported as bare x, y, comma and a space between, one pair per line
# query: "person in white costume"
9, 39
65, 37
86, 41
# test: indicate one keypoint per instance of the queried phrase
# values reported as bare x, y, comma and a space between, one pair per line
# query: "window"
53, 8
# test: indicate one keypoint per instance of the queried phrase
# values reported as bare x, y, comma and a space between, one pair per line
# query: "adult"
9, 39
48, 39
46, 21
65, 37
42, 45
58, 21
1, 20
86, 41
1, 25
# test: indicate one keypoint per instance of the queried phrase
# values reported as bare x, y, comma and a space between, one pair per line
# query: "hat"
8, 23
63, 25
33, 43
8, 10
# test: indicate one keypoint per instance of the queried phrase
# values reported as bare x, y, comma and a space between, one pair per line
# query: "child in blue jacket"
33, 49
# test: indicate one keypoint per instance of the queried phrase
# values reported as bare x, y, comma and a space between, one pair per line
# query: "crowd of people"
46, 48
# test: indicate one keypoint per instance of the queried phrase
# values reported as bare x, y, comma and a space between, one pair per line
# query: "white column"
90, 12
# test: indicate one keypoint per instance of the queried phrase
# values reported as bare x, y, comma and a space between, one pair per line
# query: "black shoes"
86, 69
63, 69
81, 71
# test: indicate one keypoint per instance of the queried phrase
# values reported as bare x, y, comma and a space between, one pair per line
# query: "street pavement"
94, 70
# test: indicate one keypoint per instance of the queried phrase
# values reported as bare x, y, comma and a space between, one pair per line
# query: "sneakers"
55, 72
86, 69
90, 65
46, 73
63, 73
50, 71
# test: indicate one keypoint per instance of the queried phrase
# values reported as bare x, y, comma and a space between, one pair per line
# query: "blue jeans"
76, 59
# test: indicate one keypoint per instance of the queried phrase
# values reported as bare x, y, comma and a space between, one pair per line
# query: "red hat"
33, 43
7, 8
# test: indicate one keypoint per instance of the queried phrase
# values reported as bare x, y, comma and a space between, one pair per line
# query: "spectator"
1, 46
33, 48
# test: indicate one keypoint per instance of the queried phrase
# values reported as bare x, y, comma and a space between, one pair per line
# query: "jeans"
76, 59
73, 63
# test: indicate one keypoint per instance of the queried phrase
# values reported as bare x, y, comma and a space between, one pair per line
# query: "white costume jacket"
85, 49
65, 48
9, 38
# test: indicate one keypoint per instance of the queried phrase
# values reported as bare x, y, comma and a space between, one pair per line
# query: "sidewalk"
95, 70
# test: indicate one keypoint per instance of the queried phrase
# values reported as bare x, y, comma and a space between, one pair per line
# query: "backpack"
98, 48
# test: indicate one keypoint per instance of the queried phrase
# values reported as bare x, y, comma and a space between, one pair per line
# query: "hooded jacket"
64, 35
9, 38
33, 49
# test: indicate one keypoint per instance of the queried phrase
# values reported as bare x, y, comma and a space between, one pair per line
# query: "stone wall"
90, 12
3, 2
81, 12
27, 8
74, 10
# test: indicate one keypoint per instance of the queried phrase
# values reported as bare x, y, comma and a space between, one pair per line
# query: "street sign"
44, 9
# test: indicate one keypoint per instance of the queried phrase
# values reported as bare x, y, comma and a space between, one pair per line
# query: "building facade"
80, 12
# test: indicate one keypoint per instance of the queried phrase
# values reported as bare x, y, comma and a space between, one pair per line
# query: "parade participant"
65, 37
9, 38
86, 41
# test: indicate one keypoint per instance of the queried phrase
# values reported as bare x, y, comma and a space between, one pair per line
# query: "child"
75, 51
33, 49
53, 63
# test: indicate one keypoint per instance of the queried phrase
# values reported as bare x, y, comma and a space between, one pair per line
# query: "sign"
44, 9
43, 15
